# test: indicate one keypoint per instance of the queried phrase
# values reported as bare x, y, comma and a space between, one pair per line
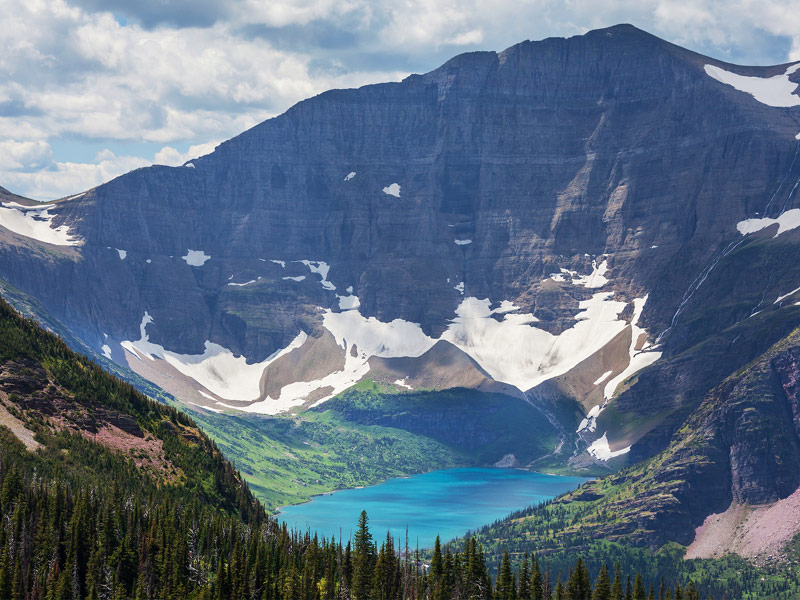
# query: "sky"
91, 89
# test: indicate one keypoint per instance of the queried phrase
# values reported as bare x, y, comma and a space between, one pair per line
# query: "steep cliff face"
572, 218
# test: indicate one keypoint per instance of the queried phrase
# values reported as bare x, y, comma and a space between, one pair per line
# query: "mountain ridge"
590, 222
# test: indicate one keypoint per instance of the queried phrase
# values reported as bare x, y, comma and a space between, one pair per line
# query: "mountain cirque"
608, 218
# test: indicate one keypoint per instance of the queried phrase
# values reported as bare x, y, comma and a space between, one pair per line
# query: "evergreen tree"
537, 585
505, 584
523, 591
602, 586
616, 586
363, 559
639, 592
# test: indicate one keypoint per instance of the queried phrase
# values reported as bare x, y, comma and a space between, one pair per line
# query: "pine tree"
505, 584
639, 592
616, 586
602, 586
363, 559
537, 585
523, 591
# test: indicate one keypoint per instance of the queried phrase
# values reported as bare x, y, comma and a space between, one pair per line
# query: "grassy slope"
65, 400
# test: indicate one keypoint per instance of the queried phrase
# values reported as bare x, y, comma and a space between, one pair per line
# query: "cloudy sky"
90, 89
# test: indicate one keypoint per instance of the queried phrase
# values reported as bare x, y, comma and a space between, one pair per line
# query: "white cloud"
171, 157
66, 178
24, 155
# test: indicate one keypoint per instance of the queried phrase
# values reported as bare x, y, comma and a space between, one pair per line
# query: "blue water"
447, 503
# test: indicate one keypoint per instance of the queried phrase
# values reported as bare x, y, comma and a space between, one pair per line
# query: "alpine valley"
576, 256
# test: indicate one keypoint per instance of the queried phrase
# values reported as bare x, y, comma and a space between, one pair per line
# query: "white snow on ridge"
638, 359
595, 279
360, 338
590, 422
36, 222
251, 282
195, 258
601, 450
350, 175
321, 268
782, 298
786, 222
348, 302
513, 352
602, 378
392, 190
372, 337
773, 91
217, 369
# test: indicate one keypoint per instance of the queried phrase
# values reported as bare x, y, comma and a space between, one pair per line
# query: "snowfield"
786, 222
773, 91
218, 370
35, 222
392, 190
196, 258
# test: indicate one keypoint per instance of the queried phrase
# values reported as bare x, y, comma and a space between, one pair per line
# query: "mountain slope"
726, 484
607, 222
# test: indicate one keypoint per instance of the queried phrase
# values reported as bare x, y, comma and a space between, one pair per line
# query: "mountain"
107, 494
604, 228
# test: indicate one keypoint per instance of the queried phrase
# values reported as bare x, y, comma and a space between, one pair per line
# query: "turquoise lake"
448, 503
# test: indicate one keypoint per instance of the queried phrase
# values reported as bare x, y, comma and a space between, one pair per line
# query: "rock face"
573, 219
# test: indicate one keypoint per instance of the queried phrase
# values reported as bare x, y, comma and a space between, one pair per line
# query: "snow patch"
218, 370
601, 450
36, 222
773, 91
590, 422
282, 263
459, 287
106, 351
195, 258
122, 253
463, 242
348, 302
513, 351
595, 279
402, 383
602, 378
398, 338
321, 268
251, 282
148, 261
786, 222
782, 298
350, 175
189, 165
297, 278
638, 360
392, 190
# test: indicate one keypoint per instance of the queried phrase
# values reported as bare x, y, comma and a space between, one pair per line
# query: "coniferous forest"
105, 494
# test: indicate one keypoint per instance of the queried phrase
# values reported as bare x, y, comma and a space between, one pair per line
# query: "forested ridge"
105, 494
